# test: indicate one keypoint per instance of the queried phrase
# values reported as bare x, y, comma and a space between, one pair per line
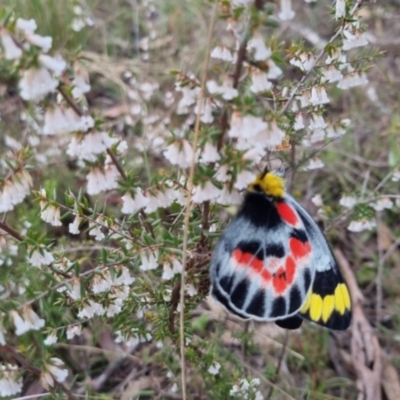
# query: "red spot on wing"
265, 275
252, 262
298, 248
290, 269
248, 260
242, 258
280, 281
287, 213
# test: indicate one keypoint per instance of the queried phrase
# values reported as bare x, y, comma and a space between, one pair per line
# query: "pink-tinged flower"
73, 227
102, 283
229, 196
80, 81
81, 85
314, 163
209, 154
99, 181
317, 122
179, 153
268, 138
51, 339
161, 199
95, 229
318, 96
317, 135
243, 179
11, 50
149, 260
131, 205
26, 26
334, 131
259, 81
286, 13
60, 119
222, 53
305, 98
206, 192
222, 174
298, 122
44, 42
10, 380
74, 292
340, 9
206, 111
154, 202
214, 368
225, 90
254, 153
331, 74
53, 64
304, 61
384, 203
274, 71
91, 144
361, 225
14, 190
171, 268
128, 206
123, 277
53, 371
56, 121
50, 214
257, 44
337, 57
353, 37
190, 290
348, 201
396, 176
246, 126
30, 321
317, 200
72, 331
353, 79
36, 83
274, 136
39, 258
21, 326
90, 310
189, 97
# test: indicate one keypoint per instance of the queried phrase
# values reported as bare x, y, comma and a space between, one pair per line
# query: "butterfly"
273, 263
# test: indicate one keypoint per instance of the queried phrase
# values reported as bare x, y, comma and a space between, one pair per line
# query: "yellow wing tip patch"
328, 307
271, 184
320, 309
342, 299
316, 307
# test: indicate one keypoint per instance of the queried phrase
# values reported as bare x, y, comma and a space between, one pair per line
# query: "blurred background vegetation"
142, 41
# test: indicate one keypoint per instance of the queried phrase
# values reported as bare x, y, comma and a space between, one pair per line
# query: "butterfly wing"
262, 267
328, 302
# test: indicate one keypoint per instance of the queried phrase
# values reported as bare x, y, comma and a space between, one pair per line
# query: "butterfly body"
273, 263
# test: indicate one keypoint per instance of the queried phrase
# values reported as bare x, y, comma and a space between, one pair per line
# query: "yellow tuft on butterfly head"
269, 183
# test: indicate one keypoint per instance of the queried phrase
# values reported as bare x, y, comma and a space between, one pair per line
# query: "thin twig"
317, 60
279, 365
241, 56
117, 164
29, 367
189, 200
379, 274
70, 101
12, 232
